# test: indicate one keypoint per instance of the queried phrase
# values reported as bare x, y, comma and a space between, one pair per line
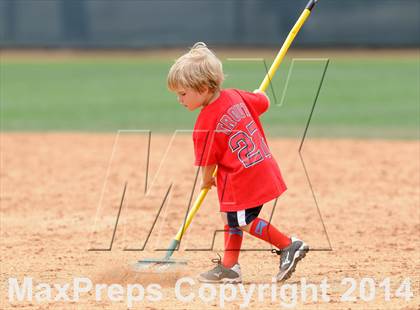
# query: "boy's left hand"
208, 183
207, 179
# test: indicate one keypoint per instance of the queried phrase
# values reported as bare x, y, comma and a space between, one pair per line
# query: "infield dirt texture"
64, 168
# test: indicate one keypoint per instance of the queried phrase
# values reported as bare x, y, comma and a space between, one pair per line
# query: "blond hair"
197, 69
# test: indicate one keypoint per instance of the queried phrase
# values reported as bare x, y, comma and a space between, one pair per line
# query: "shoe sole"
299, 255
222, 281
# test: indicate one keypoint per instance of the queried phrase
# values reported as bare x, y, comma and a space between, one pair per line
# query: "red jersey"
228, 133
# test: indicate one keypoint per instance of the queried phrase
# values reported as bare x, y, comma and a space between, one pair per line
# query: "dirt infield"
52, 186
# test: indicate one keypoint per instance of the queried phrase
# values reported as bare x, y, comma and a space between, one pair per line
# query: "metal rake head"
158, 264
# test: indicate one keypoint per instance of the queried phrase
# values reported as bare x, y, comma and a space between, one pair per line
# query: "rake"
166, 261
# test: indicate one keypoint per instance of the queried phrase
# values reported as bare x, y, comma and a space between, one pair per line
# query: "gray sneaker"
290, 256
221, 274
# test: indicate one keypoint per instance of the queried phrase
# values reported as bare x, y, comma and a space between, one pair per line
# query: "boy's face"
192, 99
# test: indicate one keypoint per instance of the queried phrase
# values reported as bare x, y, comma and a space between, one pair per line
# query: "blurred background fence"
160, 23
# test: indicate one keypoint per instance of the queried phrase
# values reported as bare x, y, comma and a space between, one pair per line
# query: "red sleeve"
205, 149
257, 101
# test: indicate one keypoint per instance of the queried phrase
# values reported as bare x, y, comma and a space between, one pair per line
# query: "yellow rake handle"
292, 34
267, 79
193, 211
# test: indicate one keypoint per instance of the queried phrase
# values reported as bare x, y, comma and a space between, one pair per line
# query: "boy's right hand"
258, 91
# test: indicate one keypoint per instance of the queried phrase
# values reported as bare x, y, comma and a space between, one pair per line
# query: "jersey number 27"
249, 146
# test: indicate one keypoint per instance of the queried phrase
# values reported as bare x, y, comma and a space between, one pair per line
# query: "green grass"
359, 98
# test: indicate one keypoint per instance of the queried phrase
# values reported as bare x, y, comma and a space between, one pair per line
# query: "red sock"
267, 232
233, 242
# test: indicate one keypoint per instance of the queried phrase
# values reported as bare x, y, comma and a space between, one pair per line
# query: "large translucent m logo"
150, 185
148, 188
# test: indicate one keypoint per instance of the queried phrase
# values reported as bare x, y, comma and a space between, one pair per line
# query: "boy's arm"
257, 91
207, 179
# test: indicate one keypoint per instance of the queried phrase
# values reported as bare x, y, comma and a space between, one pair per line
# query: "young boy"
228, 134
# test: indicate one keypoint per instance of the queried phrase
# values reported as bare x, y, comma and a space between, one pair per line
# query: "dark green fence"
160, 23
